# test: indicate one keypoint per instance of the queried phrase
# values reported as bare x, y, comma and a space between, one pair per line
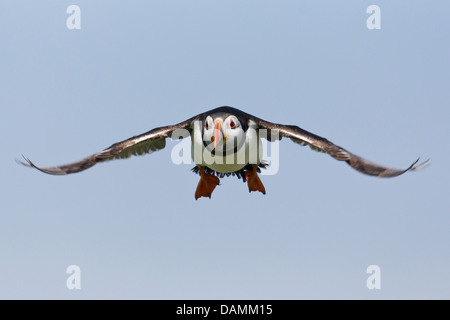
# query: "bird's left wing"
317, 143
145, 143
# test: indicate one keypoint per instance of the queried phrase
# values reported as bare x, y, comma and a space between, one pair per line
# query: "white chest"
231, 160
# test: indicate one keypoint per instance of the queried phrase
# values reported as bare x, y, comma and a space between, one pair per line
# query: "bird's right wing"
145, 143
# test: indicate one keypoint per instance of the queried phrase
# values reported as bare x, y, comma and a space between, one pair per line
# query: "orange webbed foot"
206, 185
253, 181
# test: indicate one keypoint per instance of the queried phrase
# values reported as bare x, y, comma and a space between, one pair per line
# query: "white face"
223, 135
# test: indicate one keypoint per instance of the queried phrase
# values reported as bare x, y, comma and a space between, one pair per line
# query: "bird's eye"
232, 124
206, 126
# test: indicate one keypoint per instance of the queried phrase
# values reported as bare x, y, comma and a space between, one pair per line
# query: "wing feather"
145, 143
317, 143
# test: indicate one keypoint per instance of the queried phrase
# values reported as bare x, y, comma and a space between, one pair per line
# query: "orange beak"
216, 135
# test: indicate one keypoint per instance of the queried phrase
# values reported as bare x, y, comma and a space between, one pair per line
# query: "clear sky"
133, 226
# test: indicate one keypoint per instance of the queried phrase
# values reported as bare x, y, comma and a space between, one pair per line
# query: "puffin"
225, 141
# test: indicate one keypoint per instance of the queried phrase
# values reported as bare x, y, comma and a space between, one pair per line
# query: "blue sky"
133, 226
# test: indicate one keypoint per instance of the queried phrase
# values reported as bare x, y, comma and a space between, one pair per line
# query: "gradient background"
134, 227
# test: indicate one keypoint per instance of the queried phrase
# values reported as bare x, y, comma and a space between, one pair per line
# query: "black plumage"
155, 140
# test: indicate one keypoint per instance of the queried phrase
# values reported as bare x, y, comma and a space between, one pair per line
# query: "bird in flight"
225, 141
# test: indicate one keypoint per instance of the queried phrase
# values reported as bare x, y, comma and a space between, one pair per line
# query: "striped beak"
216, 134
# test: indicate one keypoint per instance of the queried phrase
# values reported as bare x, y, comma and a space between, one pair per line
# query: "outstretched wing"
145, 143
317, 143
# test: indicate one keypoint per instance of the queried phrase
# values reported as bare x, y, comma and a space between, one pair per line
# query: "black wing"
305, 138
145, 143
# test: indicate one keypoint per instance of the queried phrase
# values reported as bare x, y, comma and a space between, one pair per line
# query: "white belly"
249, 153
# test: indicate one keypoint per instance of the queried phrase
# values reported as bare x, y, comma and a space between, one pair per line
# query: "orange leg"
206, 185
253, 181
